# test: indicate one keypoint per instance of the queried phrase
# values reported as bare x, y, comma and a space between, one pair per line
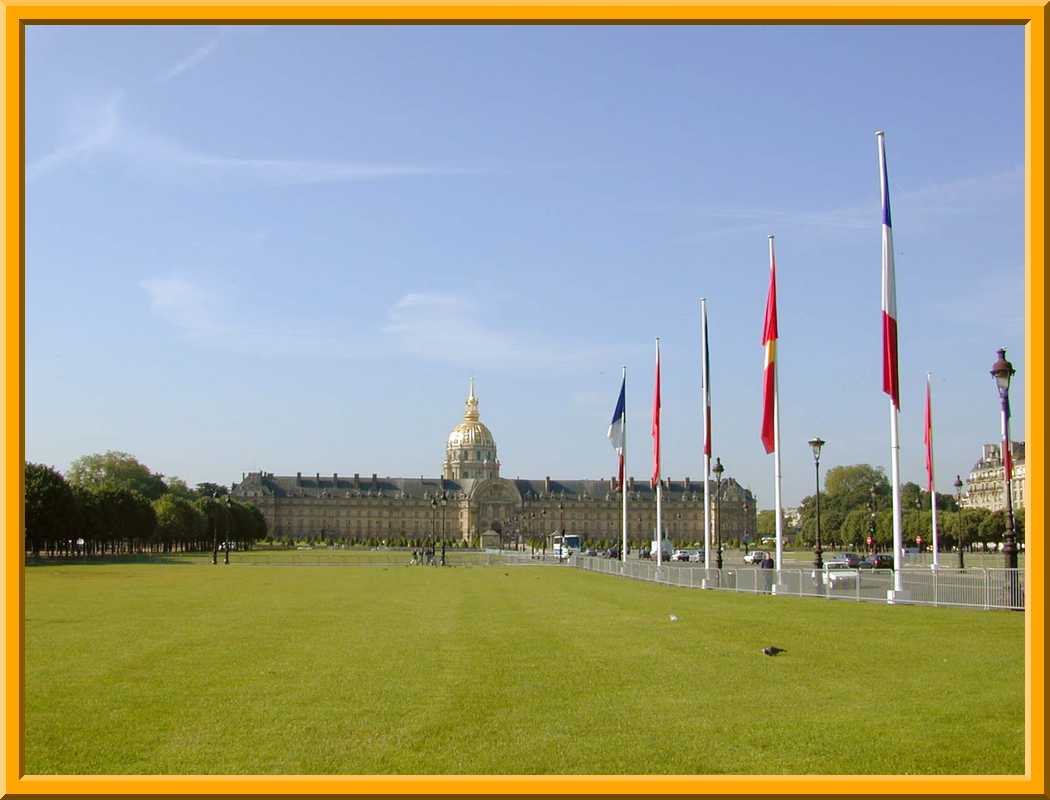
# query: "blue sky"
288, 248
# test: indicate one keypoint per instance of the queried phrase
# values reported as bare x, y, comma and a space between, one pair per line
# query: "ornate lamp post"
444, 502
561, 528
214, 532
718, 469
229, 519
1002, 371
433, 528
871, 524
816, 443
958, 502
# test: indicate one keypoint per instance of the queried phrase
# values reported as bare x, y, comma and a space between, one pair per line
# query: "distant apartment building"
985, 489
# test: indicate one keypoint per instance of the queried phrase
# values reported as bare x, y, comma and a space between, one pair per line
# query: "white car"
840, 575
756, 557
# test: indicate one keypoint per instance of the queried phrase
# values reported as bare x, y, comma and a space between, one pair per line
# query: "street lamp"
871, 524
959, 527
718, 469
1002, 371
229, 521
444, 502
561, 529
214, 530
816, 443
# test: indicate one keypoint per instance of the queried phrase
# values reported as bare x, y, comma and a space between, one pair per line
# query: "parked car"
644, 553
877, 561
680, 555
591, 552
756, 557
851, 560
839, 575
614, 552
696, 555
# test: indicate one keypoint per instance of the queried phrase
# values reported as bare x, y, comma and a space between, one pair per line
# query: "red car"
877, 561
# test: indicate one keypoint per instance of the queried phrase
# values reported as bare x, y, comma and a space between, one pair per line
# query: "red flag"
928, 438
769, 342
656, 423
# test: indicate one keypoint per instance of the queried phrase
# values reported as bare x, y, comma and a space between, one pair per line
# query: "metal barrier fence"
971, 588
393, 558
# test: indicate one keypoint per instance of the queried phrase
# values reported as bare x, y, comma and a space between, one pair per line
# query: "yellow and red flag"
656, 423
769, 342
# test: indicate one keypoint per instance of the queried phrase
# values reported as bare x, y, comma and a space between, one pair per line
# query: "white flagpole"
706, 399
933, 474
776, 447
895, 445
659, 483
623, 487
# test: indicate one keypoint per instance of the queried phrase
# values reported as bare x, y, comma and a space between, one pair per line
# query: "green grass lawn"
190, 668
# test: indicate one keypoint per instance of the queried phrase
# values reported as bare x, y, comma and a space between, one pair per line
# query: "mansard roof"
266, 483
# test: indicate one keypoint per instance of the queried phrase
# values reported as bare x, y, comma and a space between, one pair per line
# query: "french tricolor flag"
616, 428
890, 382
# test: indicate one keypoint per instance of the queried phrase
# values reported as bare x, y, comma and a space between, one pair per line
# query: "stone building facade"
985, 488
470, 502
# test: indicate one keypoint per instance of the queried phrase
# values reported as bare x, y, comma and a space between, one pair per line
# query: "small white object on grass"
674, 618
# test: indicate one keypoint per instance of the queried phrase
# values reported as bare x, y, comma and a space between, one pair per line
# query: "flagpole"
659, 477
623, 481
707, 433
776, 450
890, 366
933, 485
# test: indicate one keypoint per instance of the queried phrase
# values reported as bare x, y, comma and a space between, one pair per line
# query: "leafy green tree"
91, 519
51, 509
207, 489
969, 525
854, 530
218, 519
116, 519
178, 488
767, 523
117, 470
912, 497
993, 527
852, 485
178, 521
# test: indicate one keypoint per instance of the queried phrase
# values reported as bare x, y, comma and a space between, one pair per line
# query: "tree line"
857, 502
111, 504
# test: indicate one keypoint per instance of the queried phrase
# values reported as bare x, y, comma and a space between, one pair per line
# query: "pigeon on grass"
772, 650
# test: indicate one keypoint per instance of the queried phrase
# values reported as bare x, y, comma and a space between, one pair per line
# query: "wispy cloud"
186, 306
206, 316
920, 206
108, 134
191, 60
92, 128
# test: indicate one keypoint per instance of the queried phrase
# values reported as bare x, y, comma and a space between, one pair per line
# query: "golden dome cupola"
471, 450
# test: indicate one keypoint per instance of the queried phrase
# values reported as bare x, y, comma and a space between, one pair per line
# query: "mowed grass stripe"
198, 669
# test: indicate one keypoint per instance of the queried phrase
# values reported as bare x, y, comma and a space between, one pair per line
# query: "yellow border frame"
1032, 15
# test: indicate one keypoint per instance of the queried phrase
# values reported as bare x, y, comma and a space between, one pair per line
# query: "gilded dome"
471, 450
471, 432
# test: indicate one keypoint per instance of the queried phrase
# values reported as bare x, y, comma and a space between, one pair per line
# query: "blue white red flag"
890, 381
616, 429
